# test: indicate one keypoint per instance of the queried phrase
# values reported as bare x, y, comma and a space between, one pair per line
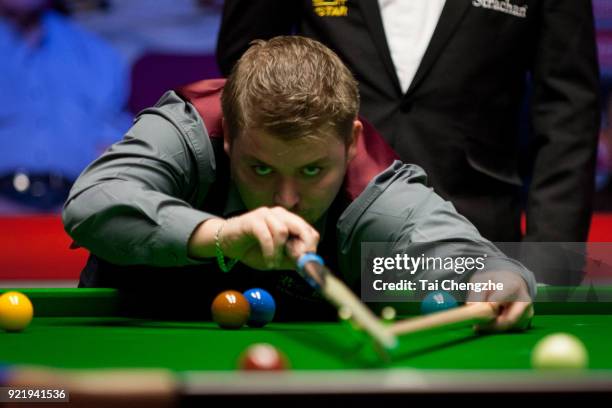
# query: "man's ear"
227, 143
356, 134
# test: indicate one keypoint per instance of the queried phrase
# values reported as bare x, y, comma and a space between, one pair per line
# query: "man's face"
302, 175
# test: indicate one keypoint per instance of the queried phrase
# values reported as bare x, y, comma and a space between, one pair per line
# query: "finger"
490, 325
280, 234
296, 248
303, 236
488, 294
483, 295
292, 219
260, 231
512, 316
475, 297
497, 299
524, 321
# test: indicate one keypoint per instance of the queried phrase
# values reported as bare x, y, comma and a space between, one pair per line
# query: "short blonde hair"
290, 86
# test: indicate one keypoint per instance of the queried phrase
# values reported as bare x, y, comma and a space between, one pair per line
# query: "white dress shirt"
409, 26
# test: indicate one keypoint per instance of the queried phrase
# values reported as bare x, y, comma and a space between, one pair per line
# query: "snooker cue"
474, 313
311, 268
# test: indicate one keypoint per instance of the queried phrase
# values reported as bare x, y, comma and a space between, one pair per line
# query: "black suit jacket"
459, 119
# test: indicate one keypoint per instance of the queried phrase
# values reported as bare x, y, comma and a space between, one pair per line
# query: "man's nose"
287, 195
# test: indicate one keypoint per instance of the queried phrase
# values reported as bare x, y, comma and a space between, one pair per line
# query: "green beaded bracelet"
225, 267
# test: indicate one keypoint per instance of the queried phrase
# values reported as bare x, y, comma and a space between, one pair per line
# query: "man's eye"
311, 171
262, 170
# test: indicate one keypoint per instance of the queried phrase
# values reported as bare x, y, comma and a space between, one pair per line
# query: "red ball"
230, 309
263, 357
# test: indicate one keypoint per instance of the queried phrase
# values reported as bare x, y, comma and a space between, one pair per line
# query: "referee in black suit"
444, 82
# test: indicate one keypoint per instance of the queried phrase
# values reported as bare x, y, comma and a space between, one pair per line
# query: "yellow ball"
559, 351
16, 311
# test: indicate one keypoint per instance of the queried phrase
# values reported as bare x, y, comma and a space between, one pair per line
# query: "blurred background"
72, 78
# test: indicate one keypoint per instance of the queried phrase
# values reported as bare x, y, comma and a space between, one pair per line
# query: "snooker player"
166, 211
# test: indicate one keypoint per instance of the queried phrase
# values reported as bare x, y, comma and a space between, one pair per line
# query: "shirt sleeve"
132, 205
410, 218
436, 225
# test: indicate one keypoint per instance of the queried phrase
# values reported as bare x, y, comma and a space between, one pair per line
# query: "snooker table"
80, 333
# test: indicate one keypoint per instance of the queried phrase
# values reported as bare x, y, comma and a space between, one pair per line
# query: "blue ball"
262, 307
437, 302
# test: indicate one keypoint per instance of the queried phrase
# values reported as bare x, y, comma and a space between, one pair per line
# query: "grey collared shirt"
139, 203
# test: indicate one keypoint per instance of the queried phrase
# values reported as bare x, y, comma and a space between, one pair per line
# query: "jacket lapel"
452, 13
373, 20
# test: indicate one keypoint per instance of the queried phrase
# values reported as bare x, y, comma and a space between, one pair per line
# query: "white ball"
388, 313
559, 351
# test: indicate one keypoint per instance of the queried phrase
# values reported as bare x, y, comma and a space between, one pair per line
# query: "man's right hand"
265, 238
